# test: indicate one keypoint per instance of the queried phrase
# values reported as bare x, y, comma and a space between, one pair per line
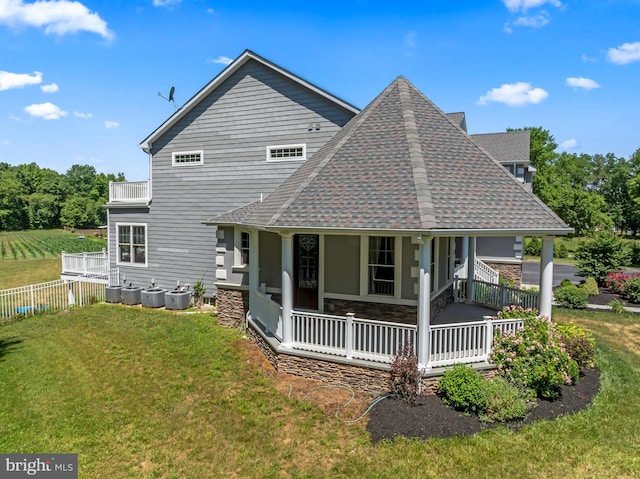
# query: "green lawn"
142, 393
23, 272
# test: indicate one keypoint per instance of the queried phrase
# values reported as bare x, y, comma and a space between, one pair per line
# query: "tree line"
40, 198
589, 192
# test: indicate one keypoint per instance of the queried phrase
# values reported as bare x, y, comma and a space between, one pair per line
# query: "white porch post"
471, 269
464, 257
287, 289
424, 304
546, 277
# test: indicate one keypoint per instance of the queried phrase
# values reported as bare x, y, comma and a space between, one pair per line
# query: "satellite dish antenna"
170, 99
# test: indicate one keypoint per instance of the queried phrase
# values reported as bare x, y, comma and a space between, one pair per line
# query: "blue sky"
79, 80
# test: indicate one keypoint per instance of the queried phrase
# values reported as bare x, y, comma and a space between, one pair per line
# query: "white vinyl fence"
52, 296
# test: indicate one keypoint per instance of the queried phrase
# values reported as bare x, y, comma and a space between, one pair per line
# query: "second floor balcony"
129, 193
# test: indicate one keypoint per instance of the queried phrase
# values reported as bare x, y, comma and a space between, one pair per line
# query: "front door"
305, 252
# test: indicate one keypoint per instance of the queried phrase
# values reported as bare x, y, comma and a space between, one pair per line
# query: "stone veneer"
509, 271
232, 306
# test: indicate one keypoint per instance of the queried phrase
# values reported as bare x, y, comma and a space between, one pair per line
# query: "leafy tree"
601, 254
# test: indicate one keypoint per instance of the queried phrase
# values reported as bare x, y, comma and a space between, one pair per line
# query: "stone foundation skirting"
509, 271
232, 306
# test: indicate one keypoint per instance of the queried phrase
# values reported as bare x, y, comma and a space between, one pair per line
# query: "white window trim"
146, 246
278, 160
238, 265
194, 163
397, 268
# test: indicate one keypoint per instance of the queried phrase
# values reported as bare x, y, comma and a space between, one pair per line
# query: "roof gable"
402, 164
506, 147
245, 57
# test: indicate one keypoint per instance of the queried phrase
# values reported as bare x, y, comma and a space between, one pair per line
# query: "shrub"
463, 388
571, 297
532, 246
634, 246
505, 401
517, 312
601, 254
617, 306
631, 289
566, 282
590, 285
560, 251
405, 375
534, 357
626, 285
579, 344
510, 283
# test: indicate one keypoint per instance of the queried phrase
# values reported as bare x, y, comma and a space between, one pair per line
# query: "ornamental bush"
571, 297
532, 246
579, 344
535, 357
462, 388
505, 401
631, 289
405, 375
601, 254
517, 312
590, 285
626, 285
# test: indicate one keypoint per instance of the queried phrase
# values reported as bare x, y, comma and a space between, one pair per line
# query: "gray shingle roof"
507, 147
401, 164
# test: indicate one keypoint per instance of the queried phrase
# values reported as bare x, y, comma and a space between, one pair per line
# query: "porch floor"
462, 313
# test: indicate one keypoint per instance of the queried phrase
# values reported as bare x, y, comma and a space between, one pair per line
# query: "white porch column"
424, 304
287, 289
546, 277
464, 257
471, 269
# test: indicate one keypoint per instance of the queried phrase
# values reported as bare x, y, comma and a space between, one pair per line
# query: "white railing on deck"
497, 296
92, 264
484, 272
268, 312
129, 192
379, 341
52, 296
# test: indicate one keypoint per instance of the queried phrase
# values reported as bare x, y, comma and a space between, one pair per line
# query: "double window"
132, 244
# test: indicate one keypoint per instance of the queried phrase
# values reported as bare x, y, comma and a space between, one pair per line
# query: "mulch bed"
606, 296
430, 417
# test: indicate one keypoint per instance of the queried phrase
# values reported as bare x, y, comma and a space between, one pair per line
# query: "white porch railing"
95, 264
52, 296
497, 296
268, 312
483, 272
129, 192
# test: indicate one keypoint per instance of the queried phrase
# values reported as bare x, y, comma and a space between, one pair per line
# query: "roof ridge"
348, 131
416, 157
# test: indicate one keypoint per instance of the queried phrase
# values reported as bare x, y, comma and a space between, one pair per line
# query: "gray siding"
255, 108
342, 264
409, 281
270, 259
496, 247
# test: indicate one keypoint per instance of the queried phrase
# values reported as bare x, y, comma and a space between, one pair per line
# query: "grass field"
141, 393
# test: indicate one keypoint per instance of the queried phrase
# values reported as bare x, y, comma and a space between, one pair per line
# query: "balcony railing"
129, 192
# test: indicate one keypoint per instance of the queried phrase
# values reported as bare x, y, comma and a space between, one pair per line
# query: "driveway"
531, 273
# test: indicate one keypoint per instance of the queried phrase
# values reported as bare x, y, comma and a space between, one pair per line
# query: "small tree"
405, 375
600, 255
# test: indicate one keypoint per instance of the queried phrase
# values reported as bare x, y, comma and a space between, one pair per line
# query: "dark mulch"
606, 296
431, 418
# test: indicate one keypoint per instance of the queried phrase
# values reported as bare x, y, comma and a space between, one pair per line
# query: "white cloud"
79, 114
58, 17
537, 21
569, 144
111, 124
625, 53
46, 111
165, 3
581, 82
587, 59
10, 80
50, 88
410, 39
221, 59
514, 94
524, 5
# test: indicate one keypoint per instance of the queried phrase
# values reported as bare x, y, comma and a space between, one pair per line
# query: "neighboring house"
236, 140
366, 228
